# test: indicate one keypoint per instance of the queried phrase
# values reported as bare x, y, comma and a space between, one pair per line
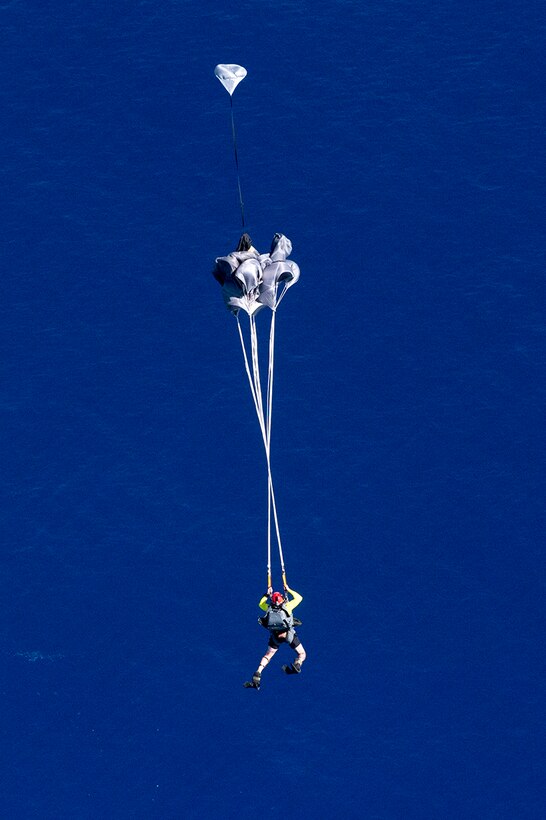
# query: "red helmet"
277, 598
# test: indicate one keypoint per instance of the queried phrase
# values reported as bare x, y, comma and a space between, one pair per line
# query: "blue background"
400, 147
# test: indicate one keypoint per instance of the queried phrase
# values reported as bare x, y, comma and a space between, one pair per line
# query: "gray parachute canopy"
250, 280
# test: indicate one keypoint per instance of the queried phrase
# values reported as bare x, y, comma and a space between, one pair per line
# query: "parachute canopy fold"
277, 269
250, 281
230, 75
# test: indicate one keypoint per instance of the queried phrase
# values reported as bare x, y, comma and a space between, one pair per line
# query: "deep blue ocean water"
401, 148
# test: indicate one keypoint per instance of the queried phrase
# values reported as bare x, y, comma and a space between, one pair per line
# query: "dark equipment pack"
278, 620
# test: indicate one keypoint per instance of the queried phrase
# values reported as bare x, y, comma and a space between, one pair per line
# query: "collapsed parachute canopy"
250, 280
230, 75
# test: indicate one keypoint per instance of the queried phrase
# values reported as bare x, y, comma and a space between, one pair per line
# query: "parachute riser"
270, 579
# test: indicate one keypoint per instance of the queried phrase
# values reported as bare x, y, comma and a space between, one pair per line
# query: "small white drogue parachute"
230, 75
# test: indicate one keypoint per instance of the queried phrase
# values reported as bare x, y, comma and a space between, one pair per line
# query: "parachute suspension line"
269, 491
256, 371
258, 391
266, 432
250, 380
268, 422
255, 389
275, 516
237, 162
270, 374
281, 296
269, 418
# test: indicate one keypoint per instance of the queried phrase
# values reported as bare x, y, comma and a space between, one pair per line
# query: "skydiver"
280, 622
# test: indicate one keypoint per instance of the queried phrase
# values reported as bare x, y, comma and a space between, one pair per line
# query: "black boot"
255, 682
293, 668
